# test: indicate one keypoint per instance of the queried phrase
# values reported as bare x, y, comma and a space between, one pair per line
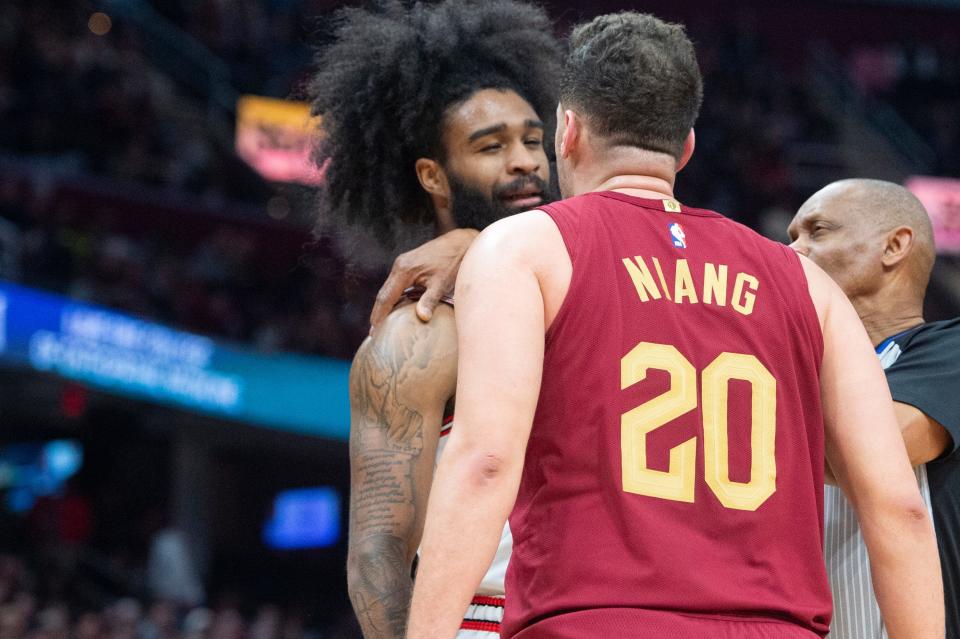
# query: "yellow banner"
276, 138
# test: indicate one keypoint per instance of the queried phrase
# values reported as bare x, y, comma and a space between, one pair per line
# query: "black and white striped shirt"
923, 369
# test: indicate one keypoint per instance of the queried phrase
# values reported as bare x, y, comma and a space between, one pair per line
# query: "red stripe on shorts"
486, 626
481, 600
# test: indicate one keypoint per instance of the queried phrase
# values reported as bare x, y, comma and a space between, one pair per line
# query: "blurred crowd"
266, 43
97, 104
89, 99
35, 604
72, 569
90, 104
921, 79
755, 113
245, 283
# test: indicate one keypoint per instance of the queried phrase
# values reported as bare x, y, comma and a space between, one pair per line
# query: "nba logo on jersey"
677, 236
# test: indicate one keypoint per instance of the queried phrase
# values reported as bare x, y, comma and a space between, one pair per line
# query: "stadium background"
174, 340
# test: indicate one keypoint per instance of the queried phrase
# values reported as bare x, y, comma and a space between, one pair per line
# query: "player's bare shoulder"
823, 290
431, 344
526, 242
530, 239
406, 362
519, 235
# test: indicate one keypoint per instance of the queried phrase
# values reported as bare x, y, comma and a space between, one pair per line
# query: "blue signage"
304, 518
29, 471
136, 358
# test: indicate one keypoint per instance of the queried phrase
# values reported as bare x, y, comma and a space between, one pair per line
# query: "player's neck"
638, 186
884, 318
443, 219
628, 170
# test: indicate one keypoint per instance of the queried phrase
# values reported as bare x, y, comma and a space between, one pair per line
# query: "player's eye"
533, 142
491, 148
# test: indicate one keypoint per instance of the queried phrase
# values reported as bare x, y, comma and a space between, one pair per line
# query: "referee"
874, 238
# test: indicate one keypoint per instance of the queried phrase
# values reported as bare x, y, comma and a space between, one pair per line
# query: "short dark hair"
384, 84
635, 79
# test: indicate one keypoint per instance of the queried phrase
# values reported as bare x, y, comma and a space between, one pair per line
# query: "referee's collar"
882, 346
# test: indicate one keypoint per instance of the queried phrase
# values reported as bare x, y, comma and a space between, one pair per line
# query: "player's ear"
687, 153
432, 177
571, 135
899, 243
433, 180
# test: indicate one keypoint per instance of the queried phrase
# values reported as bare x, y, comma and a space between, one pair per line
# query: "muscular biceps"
400, 381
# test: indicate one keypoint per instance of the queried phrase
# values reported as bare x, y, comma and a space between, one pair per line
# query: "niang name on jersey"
710, 287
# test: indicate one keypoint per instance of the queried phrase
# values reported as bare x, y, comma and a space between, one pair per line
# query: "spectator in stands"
172, 572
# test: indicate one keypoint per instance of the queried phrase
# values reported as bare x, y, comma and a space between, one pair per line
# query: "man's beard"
474, 209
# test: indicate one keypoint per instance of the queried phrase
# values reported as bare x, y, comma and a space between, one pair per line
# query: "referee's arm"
865, 448
925, 438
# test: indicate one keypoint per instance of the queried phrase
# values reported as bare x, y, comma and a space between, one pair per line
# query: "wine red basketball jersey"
673, 484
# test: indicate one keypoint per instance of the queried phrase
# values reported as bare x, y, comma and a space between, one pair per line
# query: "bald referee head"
874, 239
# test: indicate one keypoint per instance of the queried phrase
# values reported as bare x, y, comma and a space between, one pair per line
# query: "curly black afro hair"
382, 88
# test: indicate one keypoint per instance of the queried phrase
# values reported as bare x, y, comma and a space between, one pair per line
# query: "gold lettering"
642, 278
715, 284
663, 281
683, 284
742, 300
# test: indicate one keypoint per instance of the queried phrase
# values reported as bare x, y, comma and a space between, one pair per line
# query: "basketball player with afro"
433, 114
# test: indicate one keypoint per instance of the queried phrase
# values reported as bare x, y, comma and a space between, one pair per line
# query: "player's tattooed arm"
401, 379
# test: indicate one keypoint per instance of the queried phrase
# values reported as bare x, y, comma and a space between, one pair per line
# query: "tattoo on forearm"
386, 442
381, 599
386, 485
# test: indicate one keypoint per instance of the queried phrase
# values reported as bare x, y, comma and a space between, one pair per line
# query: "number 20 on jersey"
678, 482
